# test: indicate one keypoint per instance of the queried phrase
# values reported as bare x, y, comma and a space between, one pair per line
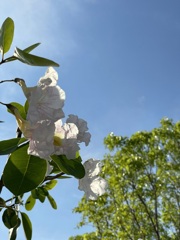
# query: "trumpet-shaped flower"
92, 184
44, 127
45, 108
46, 99
83, 135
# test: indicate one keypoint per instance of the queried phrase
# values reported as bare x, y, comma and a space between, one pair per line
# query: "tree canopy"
143, 196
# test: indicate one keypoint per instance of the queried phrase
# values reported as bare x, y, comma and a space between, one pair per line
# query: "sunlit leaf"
32, 59
10, 145
23, 172
30, 48
20, 108
6, 35
27, 226
27, 50
52, 201
71, 167
26, 106
30, 202
50, 185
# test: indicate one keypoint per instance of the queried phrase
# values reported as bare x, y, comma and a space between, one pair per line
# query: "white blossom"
92, 184
45, 108
49, 79
46, 99
43, 125
41, 140
40, 135
65, 139
83, 135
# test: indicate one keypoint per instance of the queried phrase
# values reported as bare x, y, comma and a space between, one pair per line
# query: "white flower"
40, 135
45, 108
65, 139
46, 99
83, 135
91, 183
46, 103
41, 140
43, 125
49, 79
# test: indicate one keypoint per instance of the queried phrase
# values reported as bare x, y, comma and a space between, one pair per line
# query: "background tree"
143, 198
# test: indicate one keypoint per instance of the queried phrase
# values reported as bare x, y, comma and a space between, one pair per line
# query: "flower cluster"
48, 135
44, 127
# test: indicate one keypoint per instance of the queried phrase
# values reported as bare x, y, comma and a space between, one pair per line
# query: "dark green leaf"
10, 218
52, 201
13, 231
6, 35
32, 59
71, 167
10, 145
23, 172
34, 193
30, 202
41, 194
2, 202
27, 226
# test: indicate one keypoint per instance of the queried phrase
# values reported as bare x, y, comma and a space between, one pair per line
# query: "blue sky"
119, 68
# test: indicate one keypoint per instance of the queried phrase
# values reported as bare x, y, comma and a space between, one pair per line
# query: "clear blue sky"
120, 69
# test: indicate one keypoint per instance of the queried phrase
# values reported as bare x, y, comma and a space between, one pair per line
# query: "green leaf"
30, 48
6, 35
10, 145
52, 201
13, 231
71, 167
27, 226
34, 193
27, 50
2, 202
50, 185
23, 172
32, 59
20, 108
10, 218
30, 202
26, 106
41, 193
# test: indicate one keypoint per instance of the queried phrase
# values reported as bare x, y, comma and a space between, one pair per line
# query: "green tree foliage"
143, 198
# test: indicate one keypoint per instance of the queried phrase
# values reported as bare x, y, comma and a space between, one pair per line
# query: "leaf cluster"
6, 39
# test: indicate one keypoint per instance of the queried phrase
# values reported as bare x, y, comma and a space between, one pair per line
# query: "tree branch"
48, 178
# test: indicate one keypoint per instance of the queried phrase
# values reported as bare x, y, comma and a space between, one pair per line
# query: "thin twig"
53, 177
12, 80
